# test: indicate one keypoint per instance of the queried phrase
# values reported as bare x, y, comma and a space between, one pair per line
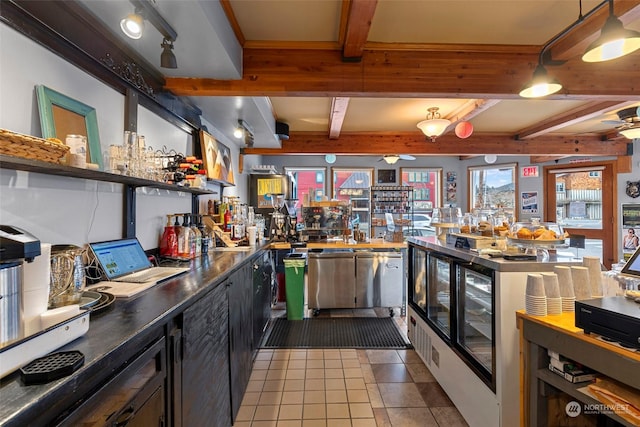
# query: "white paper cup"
551, 285
564, 281
535, 285
581, 284
595, 274
252, 233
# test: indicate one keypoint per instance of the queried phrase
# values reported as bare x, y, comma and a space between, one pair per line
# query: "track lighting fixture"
614, 41
244, 131
132, 25
167, 58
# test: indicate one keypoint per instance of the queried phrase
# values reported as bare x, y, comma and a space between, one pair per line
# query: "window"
492, 186
426, 185
353, 184
306, 181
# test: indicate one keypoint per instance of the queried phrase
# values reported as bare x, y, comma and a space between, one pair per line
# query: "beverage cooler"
455, 299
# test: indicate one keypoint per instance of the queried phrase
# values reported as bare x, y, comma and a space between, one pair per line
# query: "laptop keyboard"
143, 276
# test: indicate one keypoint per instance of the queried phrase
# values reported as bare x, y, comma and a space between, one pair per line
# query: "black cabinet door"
205, 361
262, 283
240, 333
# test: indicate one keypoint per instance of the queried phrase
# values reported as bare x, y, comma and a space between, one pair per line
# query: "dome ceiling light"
433, 126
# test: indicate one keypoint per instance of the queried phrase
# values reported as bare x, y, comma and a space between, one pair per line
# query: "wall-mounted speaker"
282, 130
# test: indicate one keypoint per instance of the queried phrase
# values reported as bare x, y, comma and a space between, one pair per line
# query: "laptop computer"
124, 260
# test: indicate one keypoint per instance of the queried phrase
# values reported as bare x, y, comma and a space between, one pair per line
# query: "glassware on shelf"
446, 220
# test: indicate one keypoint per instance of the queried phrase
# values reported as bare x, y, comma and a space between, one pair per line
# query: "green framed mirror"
61, 116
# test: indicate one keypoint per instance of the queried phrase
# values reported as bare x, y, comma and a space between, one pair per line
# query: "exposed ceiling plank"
577, 115
358, 26
302, 143
544, 159
231, 17
339, 107
467, 157
414, 74
576, 41
469, 110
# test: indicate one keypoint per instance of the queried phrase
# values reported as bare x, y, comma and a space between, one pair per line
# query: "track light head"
132, 25
167, 58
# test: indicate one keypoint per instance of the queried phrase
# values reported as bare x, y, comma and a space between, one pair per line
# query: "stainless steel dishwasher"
379, 280
331, 280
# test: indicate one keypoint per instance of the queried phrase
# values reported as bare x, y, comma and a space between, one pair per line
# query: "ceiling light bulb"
391, 159
433, 126
238, 132
132, 25
614, 41
490, 158
631, 133
540, 84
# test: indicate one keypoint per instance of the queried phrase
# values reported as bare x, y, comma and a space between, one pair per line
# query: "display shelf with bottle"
391, 203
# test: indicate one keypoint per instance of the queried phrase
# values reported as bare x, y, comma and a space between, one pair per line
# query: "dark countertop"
115, 336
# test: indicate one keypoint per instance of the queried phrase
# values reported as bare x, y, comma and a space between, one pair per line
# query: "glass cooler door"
418, 287
439, 295
476, 325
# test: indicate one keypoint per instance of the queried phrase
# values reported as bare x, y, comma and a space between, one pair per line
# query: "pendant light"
433, 126
632, 132
614, 41
391, 158
540, 84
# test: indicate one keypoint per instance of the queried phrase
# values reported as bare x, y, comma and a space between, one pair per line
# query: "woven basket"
30, 147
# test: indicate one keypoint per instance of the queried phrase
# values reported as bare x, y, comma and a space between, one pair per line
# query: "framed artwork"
386, 176
61, 116
217, 159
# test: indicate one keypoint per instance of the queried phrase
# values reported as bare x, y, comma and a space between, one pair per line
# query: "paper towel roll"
35, 295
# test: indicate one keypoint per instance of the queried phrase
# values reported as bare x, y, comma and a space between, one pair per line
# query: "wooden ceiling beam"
358, 26
437, 73
575, 42
577, 115
544, 159
339, 107
379, 143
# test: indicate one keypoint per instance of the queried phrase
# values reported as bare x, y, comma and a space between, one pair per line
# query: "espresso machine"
16, 247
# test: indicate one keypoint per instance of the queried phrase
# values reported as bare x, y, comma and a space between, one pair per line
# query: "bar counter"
339, 244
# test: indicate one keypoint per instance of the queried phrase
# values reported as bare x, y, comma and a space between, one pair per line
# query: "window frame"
471, 184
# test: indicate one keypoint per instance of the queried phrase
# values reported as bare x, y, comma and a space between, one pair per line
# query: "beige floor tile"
290, 412
264, 355
355, 383
298, 354
315, 354
276, 374
287, 423
255, 385
348, 354
258, 375
273, 385
364, 422
295, 374
334, 373
245, 413
261, 364
250, 398
315, 363
331, 354
360, 410
314, 374
367, 373
333, 364
280, 355
411, 417
292, 397
409, 356
353, 372
448, 416
270, 398
297, 364
314, 411
246, 424
362, 356
270, 423
279, 364
358, 396
420, 373
401, 395
267, 412
314, 423
338, 410
314, 384
391, 373
334, 384
374, 396
336, 396
383, 356
335, 422
294, 385
314, 396
350, 363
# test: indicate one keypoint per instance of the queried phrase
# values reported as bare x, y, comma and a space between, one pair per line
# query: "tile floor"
344, 387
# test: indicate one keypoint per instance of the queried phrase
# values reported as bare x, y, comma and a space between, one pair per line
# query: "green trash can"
294, 286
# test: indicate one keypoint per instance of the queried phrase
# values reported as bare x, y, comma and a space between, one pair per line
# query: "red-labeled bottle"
169, 241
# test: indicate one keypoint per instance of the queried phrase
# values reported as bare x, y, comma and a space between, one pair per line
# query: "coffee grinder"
291, 220
277, 230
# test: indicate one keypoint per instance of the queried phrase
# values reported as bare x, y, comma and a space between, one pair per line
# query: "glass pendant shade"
433, 126
391, 158
132, 26
614, 41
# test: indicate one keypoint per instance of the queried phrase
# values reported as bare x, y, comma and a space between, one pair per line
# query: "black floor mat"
336, 332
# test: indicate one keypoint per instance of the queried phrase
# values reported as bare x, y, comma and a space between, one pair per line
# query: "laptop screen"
120, 257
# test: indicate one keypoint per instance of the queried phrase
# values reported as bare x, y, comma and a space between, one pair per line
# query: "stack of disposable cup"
552, 291
595, 275
566, 288
35, 296
581, 284
535, 298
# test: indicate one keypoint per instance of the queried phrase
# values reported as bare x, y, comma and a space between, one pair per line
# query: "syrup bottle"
169, 241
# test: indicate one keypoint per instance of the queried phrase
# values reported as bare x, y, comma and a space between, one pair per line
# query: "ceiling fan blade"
406, 157
613, 122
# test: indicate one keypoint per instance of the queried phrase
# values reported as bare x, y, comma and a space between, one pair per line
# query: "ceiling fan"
628, 124
393, 158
